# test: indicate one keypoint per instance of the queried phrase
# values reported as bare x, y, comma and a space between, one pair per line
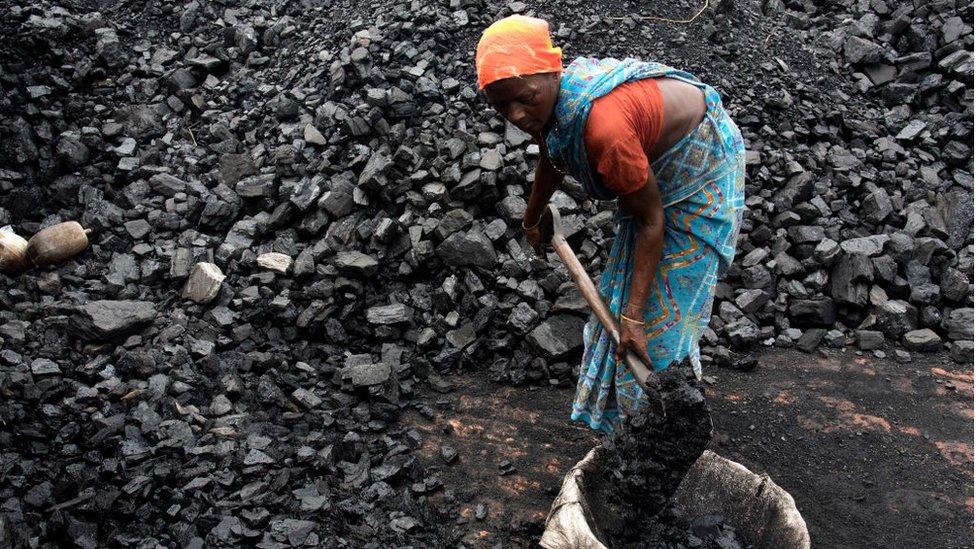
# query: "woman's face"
527, 101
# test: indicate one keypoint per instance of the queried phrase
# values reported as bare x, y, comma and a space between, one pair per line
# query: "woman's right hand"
539, 233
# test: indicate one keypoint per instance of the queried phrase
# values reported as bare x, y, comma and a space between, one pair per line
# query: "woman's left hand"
633, 338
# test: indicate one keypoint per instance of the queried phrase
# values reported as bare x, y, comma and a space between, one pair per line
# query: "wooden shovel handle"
644, 376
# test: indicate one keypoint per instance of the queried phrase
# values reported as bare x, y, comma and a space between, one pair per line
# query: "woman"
659, 142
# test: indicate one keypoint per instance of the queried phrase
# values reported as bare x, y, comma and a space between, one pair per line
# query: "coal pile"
672, 531
302, 210
652, 451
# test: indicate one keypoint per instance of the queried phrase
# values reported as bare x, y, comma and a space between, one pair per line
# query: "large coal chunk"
558, 336
104, 320
467, 249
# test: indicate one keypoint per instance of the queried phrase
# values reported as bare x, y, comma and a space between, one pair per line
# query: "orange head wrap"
515, 46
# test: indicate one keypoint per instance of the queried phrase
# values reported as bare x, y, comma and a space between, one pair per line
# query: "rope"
664, 19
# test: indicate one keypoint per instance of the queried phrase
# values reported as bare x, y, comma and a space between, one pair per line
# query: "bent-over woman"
659, 142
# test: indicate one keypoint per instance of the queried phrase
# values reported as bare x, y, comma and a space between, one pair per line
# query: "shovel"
551, 225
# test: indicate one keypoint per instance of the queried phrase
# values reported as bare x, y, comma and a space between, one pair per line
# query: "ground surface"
875, 453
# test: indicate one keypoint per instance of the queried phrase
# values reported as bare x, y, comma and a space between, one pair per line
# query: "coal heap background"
349, 137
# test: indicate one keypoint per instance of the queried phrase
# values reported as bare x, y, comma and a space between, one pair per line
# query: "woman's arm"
546, 181
645, 205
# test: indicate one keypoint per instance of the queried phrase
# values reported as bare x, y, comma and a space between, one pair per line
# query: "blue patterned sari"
702, 184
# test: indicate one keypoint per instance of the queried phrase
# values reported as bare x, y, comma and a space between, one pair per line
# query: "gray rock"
751, 301
105, 319
523, 317
953, 28
44, 366
743, 333
180, 263
239, 238
869, 340
849, 279
806, 234
72, 152
138, 228
294, 531
868, 245
924, 294
256, 186
895, 317
558, 335
367, 375
755, 257
306, 192
204, 283
515, 137
571, 301
314, 136
826, 252
815, 312
911, 131
961, 351
166, 184
338, 201
954, 285
449, 454
257, 457
857, 50
958, 206
469, 187
181, 79
798, 189
395, 313
274, 261
491, 160
787, 266
452, 222
496, 229
140, 121
220, 405
924, 340
356, 263
810, 339
306, 398
880, 73
373, 176
110, 50
835, 339
467, 249
958, 324
512, 208
205, 61
462, 336
14, 331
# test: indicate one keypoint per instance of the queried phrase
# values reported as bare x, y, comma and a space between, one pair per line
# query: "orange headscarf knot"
515, 46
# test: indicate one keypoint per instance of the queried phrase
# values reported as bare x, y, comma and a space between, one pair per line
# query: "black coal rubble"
652, 451
650, 455
351, 140
672, 530
861, 210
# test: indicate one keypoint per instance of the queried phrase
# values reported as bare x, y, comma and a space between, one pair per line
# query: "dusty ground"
876, 453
